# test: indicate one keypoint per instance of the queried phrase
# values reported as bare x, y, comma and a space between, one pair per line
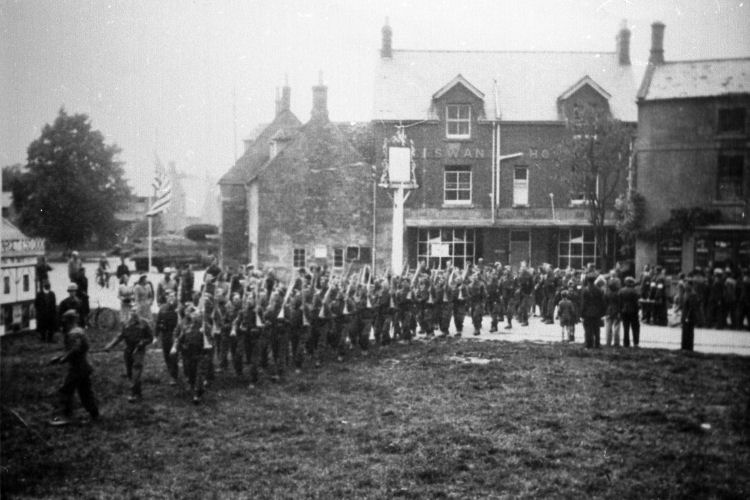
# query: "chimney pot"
657, 43
385, 49
623, 45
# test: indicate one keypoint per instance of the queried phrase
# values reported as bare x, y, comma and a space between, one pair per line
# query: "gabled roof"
258, 152
11, 232
456, 81
586, 80
528, 83
706, 78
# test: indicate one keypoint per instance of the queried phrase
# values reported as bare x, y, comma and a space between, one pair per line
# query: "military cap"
72, 287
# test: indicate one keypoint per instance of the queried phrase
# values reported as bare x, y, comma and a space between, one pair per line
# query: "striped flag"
162, 191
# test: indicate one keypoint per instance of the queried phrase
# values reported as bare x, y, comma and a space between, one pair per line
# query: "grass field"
430, 420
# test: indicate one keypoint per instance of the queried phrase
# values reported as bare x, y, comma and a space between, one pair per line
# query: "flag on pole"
162, 190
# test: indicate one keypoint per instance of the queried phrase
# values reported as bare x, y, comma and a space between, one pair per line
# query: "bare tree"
593, 159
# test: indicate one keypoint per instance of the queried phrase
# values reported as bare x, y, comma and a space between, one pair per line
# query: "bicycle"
103, 318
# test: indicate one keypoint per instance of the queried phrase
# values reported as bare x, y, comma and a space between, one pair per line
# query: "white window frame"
296, 258
458, 120
462, 244
520, 186
457, 170
565, 244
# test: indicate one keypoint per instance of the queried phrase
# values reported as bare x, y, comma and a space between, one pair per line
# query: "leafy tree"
593, 158
73, 184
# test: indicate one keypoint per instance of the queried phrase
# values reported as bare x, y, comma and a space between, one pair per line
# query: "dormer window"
458, 121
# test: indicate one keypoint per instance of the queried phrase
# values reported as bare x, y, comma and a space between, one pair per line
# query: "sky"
189, 80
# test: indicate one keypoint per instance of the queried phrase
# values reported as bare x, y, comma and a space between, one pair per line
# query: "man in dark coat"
45, 304
71, 302
629, 311
593, 309
690, 316
78, 377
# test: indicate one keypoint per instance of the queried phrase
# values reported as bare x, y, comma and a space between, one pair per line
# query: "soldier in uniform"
192, 344
318, 319
137, 335
78, 378
592, 310
459, 305
477, 300
166, 324
235, 336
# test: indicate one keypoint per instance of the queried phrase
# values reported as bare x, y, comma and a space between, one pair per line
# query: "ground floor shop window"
722, 249
669, 255
577, 248
438, 247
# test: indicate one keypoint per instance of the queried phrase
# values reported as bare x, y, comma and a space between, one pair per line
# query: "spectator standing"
71, 302
74, 265
42, 272
45, 304
592, 310
690, 316
566, 312
122, 270
612, 318
629, 312
143, 293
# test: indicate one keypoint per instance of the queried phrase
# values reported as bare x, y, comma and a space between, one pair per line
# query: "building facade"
693, 155
484, 125
305, 198
19, 258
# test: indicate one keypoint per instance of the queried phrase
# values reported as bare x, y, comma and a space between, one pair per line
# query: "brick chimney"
623, 44
283, 99
657, 43
320, 100
385, 48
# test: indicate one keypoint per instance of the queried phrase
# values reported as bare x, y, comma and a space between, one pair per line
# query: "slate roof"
528, 83
308, 139
706, 78
256, 156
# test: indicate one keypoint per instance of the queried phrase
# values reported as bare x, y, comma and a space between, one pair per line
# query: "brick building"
465, 109
300, 194
693, 153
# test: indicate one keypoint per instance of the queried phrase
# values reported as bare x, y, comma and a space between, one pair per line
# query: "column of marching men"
268, 326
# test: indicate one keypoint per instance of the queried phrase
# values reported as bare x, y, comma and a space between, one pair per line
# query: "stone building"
693, 153
300, 195
464, 111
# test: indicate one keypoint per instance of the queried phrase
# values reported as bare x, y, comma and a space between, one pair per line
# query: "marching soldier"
137, 335
477, 299
195, 350
166, 324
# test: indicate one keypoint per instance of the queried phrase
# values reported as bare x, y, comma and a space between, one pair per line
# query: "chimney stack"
320, 99
623, 44
385, 49
657, 43
284, 98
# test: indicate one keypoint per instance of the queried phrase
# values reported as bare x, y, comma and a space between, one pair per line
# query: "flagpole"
150, 236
